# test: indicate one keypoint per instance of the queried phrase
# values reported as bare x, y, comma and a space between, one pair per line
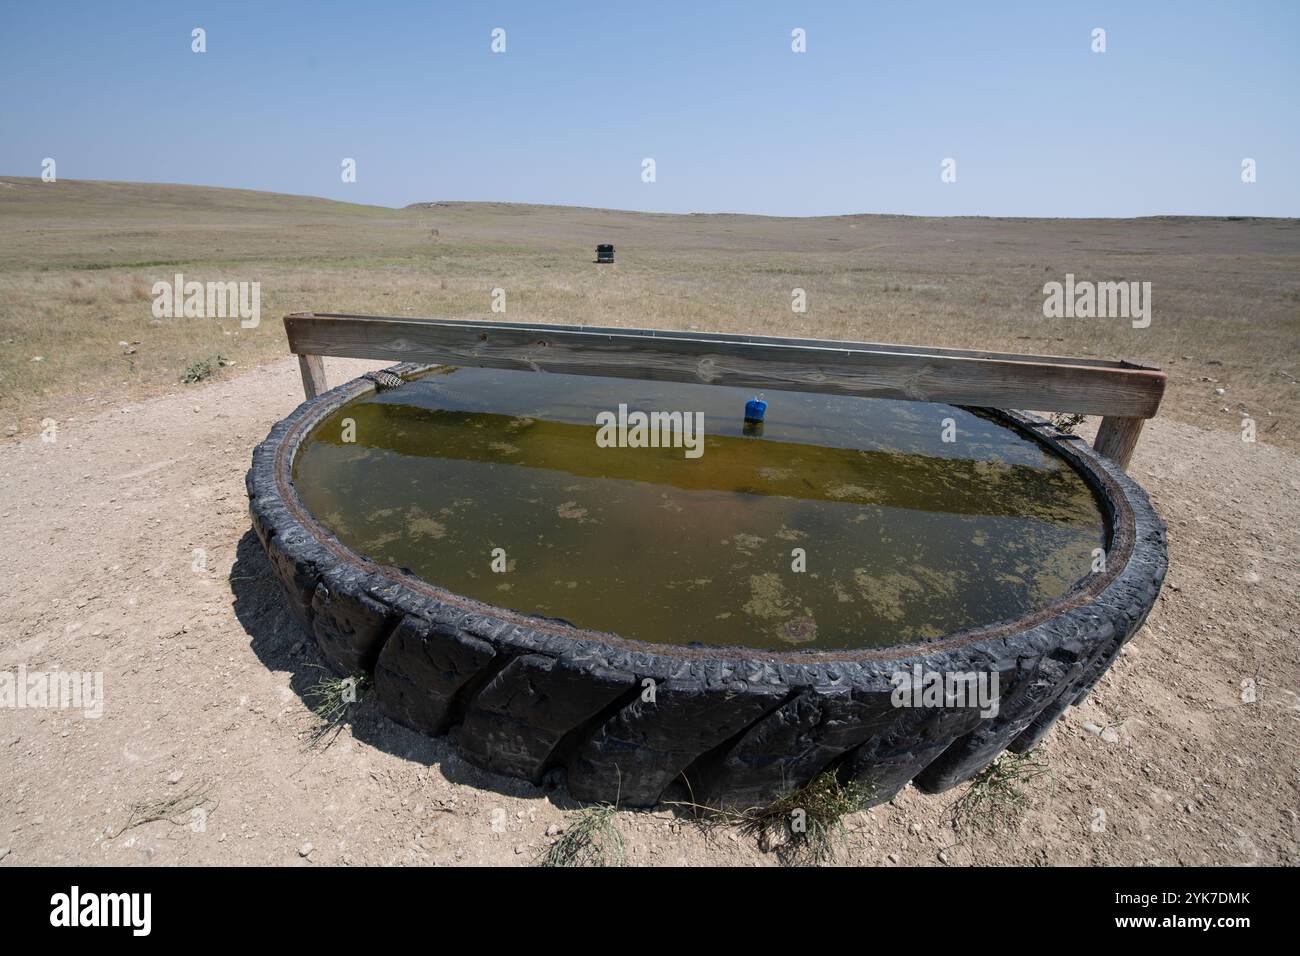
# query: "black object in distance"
605, 253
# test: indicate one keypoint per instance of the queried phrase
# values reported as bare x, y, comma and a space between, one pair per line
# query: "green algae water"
847, 523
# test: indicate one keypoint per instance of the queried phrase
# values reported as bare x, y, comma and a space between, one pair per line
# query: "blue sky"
1039, 125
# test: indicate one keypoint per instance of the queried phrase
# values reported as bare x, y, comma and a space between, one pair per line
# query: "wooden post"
313, 375
1117, 437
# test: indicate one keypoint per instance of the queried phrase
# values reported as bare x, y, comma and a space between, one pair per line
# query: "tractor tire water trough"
630, 722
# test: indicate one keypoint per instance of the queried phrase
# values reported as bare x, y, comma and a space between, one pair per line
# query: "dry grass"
591, 839
332, 699
803, 826
996, 796
200, 370
806, 824
77, 262
175, 808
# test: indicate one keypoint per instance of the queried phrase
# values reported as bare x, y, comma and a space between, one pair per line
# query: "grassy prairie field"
78, 260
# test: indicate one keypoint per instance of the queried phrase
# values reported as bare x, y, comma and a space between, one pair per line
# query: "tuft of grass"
166, 808
1066, 421
200, 370
802, 826
591, 840
331, 700
997, 794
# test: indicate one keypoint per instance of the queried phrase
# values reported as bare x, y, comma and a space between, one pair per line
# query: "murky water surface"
903, 536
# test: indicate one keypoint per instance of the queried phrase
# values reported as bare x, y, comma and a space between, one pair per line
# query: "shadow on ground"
281, 644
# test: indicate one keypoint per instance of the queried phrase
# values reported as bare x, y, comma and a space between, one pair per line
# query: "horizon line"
1224, 217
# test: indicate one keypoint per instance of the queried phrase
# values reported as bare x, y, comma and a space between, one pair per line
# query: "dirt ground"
204, 679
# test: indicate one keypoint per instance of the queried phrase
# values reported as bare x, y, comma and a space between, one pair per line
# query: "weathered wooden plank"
961, 377
312, 368
837, 344
1117, 437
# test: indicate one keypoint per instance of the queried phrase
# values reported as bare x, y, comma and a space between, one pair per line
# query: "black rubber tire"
735, 726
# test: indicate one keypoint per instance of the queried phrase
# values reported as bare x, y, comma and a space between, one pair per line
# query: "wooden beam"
837, 344
868, 370
1117, 437
313, 375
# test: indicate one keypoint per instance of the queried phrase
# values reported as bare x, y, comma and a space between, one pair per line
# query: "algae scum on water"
901, 536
